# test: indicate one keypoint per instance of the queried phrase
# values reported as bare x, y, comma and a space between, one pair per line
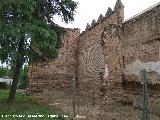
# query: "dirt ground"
117, 104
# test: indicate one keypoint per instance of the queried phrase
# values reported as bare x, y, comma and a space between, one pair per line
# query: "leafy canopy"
5, 72
27, 29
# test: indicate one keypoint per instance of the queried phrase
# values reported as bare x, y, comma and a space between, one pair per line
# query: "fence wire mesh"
102, 102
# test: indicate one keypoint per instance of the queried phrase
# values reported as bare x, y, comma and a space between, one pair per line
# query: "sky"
91, 9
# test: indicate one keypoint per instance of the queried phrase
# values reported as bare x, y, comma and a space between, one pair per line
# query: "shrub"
3, 85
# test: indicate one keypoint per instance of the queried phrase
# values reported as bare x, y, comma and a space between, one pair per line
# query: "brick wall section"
112, 52
92, 56
140, 38
121, 47
56, 74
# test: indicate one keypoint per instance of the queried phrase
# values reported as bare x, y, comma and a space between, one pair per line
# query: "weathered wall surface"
91, 57
110, 45
112, 52
57, 74
118, 48
140, 37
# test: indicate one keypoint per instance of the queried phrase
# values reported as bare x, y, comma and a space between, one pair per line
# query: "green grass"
24, 105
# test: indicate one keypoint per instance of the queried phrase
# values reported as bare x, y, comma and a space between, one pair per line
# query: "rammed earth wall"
140, 37
56, 74
117, 48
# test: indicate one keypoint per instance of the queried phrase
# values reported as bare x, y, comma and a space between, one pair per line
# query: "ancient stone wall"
112, 52
57, 73
140, 37
118, 48
93, 59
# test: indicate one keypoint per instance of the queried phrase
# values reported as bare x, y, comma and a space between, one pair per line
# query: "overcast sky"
91, 9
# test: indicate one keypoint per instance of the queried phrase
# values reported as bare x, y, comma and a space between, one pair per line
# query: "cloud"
91, 9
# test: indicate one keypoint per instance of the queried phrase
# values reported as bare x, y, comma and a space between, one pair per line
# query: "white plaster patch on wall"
106, 71
136, 66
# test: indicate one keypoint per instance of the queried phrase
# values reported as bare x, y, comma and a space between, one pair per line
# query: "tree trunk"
16, 75
17, 70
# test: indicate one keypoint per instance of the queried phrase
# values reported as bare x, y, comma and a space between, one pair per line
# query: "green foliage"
28, 33
5, 72
2, 72
3, 85
23, 78
27, 28
8, 73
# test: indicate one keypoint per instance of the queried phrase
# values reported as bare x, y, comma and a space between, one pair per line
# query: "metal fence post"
145, 95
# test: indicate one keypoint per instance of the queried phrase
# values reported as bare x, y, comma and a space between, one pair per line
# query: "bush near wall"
3, 85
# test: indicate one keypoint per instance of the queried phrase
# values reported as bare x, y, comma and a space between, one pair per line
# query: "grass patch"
26, 106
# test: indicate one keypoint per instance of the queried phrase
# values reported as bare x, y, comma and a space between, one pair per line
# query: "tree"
28, 32
23, 77
2, 72
5, 72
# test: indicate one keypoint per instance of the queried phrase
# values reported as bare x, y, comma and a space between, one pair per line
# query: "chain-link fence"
138, 100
